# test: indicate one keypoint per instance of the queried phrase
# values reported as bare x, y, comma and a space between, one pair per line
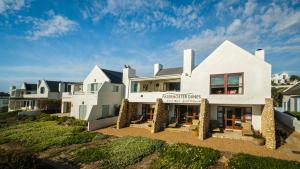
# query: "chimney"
157, 68
188, 61
128, 73
260, 53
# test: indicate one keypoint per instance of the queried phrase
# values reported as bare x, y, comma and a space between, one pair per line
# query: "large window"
173, 86
226, 83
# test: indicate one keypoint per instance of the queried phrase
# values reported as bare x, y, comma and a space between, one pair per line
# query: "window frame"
115, 88
225, 75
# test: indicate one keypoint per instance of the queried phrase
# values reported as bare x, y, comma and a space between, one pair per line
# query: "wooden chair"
138, 120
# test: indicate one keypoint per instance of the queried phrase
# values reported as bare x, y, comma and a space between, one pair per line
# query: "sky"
64, 39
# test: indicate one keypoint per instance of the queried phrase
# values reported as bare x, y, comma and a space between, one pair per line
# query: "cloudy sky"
64, 39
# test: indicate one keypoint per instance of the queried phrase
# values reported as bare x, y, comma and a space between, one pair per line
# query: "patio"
224, 144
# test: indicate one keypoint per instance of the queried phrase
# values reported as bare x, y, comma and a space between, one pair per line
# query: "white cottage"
233, 82
98, 97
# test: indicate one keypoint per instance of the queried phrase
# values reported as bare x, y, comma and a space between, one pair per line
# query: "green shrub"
18, 160
242, 161
180, 156
5, 115
79, 138
120, 152
100, 137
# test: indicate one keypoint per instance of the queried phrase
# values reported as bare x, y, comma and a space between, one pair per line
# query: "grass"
39, 136
242, 161
120, 152
180, 156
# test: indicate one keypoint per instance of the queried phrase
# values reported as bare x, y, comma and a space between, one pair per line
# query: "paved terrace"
228, 145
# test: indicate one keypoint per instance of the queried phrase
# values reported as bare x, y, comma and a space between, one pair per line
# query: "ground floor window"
186, 113
233, 117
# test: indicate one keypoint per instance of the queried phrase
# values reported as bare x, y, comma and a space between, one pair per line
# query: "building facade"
4, 99
291, 99
44, 96
228, 88
99, 95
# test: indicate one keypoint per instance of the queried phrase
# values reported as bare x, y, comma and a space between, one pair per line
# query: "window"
94, 87
115, 89
105, 110
226, 83
42, 90
134, 87
175, 86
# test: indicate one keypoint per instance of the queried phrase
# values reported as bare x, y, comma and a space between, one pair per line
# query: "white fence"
101, 123
288, 120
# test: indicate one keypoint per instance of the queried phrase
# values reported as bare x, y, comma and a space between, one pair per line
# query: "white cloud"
250, 7
56, 26
11, 5
139, 15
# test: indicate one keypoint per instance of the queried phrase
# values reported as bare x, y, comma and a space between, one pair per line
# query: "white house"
234, 82
281, 78
99, 96
44, 96
291, 99
4, 97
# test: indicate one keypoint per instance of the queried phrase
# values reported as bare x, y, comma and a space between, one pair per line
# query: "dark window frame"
226, 75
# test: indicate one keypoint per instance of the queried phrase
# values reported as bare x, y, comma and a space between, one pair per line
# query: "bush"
120, 152
18, 160
180, 155
242, 161
79, 138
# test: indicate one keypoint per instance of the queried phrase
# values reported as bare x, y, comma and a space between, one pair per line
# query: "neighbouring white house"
291, 99
233, 82
43, 96
4, 98
281, 78
99, 95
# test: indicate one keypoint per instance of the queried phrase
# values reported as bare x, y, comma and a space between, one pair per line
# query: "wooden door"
229, 118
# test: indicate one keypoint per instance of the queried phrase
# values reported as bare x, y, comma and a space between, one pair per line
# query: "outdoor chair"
195, 124
173, 123
138, 120
247, 129
214, 126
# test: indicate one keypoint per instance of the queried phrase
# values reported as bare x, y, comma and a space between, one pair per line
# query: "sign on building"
181, 98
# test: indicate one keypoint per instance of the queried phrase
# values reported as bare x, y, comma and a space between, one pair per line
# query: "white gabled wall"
229, 58
95, 76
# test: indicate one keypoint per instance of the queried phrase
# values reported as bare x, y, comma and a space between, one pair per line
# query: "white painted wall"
95, 76
229, 58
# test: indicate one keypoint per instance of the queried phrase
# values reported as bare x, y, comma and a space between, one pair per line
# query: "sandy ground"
227, 145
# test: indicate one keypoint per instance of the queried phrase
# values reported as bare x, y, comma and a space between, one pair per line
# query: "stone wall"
127, 110
160, 117
268, 124
122, 119
204, 118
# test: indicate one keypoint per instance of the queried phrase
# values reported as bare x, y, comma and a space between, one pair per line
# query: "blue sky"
64, 39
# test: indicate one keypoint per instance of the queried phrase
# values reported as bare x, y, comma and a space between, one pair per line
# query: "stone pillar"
268, 124
160, 117
127, 110
122, 119
204, 118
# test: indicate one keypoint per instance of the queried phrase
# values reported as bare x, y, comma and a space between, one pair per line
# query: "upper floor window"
134, 87
42, 90
173, 86
226, 83
115, 89
94, 87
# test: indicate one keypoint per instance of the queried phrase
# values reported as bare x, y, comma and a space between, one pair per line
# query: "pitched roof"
114, 76
170, 71
53, 85
3, 94
294, 90
31, 87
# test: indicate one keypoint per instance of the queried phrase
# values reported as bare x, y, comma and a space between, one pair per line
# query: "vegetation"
120, 152
43, 134
6, 115
179, 156
295, 114
18, 159
294, 77
277, 94
242, 161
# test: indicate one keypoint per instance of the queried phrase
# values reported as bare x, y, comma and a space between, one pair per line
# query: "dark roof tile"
170, 71
294, 90
114, 76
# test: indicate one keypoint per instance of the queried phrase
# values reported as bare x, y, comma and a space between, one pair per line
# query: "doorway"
234, 117
82, 112
185, 114
148, 111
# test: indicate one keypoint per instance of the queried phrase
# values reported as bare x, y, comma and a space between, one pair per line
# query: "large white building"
99, 96
233, 81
